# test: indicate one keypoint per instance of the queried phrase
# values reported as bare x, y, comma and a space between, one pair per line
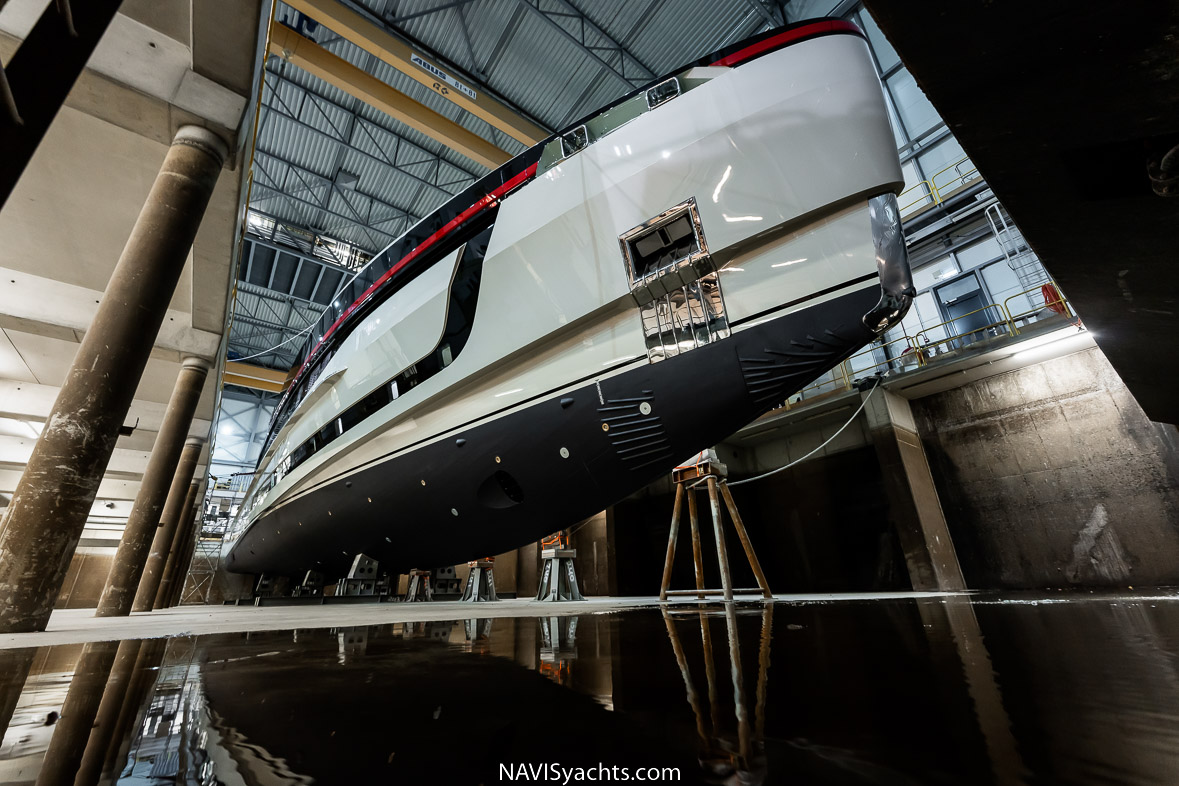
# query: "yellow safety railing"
839, 380
846, 372
1060, 298
960, 178
924, 347
934, 192
910, 344
841, 377
927, 193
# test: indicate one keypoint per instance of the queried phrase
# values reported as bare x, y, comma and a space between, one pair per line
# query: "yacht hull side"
508, 480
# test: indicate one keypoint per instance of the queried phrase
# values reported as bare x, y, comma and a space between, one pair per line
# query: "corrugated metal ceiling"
538, 55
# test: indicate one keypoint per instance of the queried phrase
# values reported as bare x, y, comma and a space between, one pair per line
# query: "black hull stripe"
474, 504
547, 393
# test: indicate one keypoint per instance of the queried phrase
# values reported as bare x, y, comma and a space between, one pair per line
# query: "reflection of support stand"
419, 587
478, 635
558, 579
717, 754
480, 581
712, 472
558, 647
352, 644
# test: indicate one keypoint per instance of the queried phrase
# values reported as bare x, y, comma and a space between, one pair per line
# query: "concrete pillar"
135, 574
188, 551
90, 766
528, 570
594, 541
179, 549
144, 674
956, 640
48, 510
914, 508
14, 670
72, 732
173, 515
180, 579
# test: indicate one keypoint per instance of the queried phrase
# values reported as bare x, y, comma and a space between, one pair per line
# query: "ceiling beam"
247, 375
766, 14
584, 23
397, 53
338, 72
280, 109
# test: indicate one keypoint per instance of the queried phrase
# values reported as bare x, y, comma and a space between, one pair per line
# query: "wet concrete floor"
956, 689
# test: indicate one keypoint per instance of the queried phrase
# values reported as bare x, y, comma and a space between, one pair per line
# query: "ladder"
1019, 255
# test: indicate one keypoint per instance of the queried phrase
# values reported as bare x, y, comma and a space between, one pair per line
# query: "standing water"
954, 690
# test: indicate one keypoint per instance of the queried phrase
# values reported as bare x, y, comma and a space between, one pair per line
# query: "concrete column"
178, 551
48, 510
14, 670
914, 507
187, 553
527, 571
143, 678
173, 516
956, 640
90, 765
69, 739
157, 508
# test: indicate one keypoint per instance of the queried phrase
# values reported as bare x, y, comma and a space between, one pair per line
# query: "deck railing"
904, 352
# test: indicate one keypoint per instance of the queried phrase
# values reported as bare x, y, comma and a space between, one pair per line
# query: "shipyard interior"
512, 391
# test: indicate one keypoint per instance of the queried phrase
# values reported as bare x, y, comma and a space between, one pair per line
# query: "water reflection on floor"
934, 690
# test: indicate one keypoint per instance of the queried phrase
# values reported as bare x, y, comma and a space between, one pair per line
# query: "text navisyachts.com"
553, 772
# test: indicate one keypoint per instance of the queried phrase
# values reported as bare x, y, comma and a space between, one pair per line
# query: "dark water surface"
939, 690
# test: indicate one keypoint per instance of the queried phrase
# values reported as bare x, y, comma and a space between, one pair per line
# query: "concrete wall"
1053, 476
595, 562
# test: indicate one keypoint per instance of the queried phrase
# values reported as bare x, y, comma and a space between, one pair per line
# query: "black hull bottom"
496, 486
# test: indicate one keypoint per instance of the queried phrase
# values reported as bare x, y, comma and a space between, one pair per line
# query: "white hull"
780, 156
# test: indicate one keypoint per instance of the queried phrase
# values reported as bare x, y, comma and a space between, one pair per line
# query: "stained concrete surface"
1053, 476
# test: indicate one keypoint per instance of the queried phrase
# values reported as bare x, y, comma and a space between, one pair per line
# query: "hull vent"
778, 374
635, 430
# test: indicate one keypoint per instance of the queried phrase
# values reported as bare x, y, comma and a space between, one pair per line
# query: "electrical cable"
816, 450
302, 332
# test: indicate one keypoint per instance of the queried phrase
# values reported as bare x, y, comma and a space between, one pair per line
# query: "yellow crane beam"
371, 38
248, 375
338, 72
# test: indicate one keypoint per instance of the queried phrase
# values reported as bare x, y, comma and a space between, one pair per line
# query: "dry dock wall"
1052, 476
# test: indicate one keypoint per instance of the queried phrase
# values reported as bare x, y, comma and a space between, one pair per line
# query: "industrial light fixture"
346, 179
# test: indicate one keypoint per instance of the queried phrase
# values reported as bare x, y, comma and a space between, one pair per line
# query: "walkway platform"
74, 626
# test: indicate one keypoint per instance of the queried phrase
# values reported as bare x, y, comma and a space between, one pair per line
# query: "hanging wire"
816, 450
302, 332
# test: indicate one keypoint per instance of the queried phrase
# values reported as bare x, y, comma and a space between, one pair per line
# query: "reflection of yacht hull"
592, 317
465, 508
